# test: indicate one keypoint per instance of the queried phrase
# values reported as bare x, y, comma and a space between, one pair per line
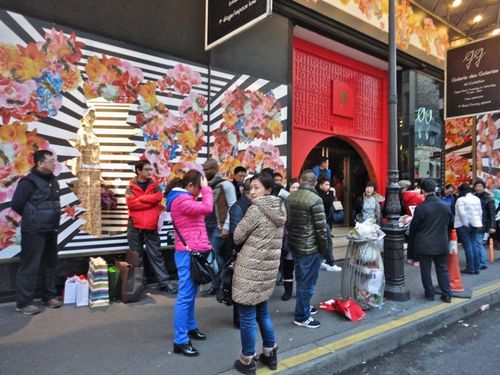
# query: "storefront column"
395, 286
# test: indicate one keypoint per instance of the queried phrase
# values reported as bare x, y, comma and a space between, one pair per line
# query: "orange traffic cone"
491, 253
453, 265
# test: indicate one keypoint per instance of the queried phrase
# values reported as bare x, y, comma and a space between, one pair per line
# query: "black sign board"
473, 78
226, 18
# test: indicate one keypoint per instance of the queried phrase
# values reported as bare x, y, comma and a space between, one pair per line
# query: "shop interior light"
496, 31
456, 3
477, 19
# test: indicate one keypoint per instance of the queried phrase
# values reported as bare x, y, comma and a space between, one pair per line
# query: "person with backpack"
218, 221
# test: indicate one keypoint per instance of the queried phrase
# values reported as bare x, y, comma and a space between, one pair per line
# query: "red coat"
144, 207
412, 198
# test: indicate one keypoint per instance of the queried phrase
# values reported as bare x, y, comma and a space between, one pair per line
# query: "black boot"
271, 360
245, 369
288, 290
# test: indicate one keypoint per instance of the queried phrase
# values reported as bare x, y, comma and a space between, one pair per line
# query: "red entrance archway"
334, 95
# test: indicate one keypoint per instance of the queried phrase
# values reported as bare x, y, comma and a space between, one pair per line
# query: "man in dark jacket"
307, 240
144, 201
36, 199
429, 239
489, 224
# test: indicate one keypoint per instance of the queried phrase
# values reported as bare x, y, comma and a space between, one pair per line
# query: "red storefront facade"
336, 96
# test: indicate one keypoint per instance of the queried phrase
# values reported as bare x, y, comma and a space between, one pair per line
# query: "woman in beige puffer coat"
261, 233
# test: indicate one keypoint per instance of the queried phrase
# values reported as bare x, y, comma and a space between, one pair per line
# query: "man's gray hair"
308, 177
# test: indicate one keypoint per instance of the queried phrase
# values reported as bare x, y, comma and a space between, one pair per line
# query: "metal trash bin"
363, 277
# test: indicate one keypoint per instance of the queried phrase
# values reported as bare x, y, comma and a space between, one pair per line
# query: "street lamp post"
395, 286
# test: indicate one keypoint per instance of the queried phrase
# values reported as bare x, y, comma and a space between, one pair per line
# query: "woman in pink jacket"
188, 216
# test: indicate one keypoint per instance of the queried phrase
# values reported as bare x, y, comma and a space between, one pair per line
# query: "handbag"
225, 293
200, 270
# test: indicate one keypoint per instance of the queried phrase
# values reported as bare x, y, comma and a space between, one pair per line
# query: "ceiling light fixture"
477, 19
456, 3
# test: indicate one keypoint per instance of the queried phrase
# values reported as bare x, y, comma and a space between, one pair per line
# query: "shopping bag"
131, 283
82, 291
98, 282
133, 258
70, 290
348, 308
114, 282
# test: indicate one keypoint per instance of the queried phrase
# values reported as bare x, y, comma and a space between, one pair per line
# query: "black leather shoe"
467, 272
429, 298
195, 334
446, 299
483, 267
209, 292
186, 349
476, 272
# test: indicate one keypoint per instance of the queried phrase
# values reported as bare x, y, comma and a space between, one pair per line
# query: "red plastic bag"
348, 308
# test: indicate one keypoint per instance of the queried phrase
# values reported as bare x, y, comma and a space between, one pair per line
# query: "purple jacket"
189, 218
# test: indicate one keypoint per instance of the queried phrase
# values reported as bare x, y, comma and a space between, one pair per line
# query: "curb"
327, 356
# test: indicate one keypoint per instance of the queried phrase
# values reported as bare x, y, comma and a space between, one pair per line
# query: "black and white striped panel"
247, 82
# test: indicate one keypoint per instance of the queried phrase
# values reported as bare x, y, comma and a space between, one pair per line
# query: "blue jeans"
184, 320
306, 274
483, 260
469, 237
249, 316
218, 245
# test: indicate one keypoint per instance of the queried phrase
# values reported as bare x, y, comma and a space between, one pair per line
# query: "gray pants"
138, 239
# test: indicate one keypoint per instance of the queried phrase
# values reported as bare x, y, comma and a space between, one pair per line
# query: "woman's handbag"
337, 213
225, 293
201, 270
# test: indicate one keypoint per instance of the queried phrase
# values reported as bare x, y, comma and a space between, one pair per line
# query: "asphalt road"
469, 346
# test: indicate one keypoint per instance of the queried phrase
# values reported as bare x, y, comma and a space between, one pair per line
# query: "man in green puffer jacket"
307, 240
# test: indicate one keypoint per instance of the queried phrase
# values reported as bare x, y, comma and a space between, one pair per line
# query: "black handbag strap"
180, 237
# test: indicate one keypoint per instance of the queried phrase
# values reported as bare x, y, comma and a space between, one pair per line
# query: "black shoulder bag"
225, 293
201, 271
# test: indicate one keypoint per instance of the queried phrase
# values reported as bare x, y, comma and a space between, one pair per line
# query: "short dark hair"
322, 180
265, 179
322, 160
239, 169
268, 171
246, 185
371, 184
480, 182
428, 185
140, 165
465, 189
448, 186
40, 155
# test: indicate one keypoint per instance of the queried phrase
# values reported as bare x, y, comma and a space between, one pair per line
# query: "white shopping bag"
70, 290
82, 291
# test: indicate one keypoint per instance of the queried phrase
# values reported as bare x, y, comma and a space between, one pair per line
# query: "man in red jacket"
144, 201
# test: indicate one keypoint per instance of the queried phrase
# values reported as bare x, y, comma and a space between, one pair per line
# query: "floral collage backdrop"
458, 150
36, 76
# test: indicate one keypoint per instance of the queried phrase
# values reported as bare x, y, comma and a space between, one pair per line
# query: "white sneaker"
324, 266
333, 268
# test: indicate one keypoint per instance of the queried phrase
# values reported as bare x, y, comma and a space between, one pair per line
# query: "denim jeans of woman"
250, 316
184, 320
469, 236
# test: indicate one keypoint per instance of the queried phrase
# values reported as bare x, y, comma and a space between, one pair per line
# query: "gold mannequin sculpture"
88, 171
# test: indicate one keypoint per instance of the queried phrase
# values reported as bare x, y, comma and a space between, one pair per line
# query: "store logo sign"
342, 99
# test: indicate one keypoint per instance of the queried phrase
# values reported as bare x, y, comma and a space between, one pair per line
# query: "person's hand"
492, 230
224, 233
204, 182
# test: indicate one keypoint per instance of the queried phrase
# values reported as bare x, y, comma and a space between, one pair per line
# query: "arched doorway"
349, 172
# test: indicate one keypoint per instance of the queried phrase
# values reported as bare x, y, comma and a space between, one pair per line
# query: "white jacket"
468, 212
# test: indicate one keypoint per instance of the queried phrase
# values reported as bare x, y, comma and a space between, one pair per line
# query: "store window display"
88, 170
